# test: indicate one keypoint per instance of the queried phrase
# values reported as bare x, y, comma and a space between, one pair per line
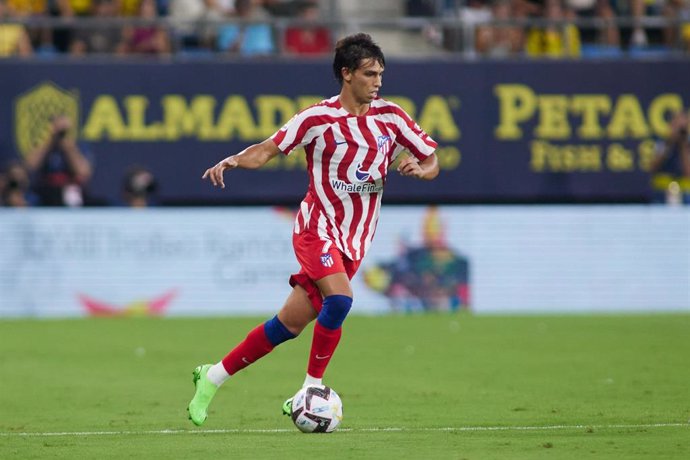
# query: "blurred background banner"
496, 259
162, 261
508, 131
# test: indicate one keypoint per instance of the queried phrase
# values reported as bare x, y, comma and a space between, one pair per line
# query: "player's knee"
276, 332
335, 309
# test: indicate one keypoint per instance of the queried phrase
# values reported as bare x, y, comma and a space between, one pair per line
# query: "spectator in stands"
670, 169
79, 8
131, 8
128, 8
557, 39
250, 37
32, 9
283, 8
99, 39
14, 39
528, 8
637, 9
27, 8
677, 35
222, 8
685, 28
195, 21
472, 14
139, 187
146, 39
607, 35
308, 38
59, 166
15, 190
451, 36
500, 40
636, 35
421, 8
63, 35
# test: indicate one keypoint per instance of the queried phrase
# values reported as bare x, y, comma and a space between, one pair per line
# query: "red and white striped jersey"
347, 160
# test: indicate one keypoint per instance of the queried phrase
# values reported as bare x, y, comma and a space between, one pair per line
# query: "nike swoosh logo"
245, 360
322, 357
340, 143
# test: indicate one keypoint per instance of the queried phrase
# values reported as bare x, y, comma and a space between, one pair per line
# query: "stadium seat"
594, 51
651, 51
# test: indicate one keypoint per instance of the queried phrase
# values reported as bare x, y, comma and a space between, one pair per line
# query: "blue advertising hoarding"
507, 131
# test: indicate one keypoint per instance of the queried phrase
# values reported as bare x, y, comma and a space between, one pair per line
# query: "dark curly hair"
350, 51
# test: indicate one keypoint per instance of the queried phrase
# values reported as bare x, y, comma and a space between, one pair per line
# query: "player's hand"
679, 126
61, 124
409, 166
215, 173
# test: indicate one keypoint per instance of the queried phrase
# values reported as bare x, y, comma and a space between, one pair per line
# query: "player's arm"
35, 157
58, 130
664, 153
685, 157
427, 169
253, 157
78, 163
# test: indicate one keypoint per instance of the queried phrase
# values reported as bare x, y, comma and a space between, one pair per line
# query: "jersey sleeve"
412, 137
295, 133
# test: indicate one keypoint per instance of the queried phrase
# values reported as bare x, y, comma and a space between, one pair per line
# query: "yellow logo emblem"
34, 111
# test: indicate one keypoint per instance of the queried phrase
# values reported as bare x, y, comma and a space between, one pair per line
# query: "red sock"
255, 346
323, 346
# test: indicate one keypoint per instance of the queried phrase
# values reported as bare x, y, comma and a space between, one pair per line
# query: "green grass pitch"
456, 386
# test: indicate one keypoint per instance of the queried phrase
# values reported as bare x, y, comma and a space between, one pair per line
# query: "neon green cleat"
287, 407
205, 390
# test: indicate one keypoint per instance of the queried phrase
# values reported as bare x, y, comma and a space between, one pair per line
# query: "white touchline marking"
351, 430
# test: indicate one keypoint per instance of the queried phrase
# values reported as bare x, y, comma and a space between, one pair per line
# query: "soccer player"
350, 141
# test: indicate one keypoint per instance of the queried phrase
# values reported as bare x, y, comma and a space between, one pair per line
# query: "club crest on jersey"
361, 176
382, 142
326, 260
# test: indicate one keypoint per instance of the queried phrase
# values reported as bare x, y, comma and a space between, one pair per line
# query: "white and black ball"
317, 409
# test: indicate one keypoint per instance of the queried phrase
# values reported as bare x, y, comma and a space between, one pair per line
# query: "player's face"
365, 82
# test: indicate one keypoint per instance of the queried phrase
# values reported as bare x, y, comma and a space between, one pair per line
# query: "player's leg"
325, 275
331, 298
296, 313
337, 301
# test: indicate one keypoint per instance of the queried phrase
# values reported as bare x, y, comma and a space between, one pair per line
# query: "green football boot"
287, 407
205, 390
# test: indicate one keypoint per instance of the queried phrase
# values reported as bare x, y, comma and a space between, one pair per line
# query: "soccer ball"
317, 409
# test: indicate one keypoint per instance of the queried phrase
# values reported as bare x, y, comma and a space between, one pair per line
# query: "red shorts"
318, 259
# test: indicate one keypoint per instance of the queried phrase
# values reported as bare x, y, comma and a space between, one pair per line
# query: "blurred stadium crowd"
57, 170
255, 28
